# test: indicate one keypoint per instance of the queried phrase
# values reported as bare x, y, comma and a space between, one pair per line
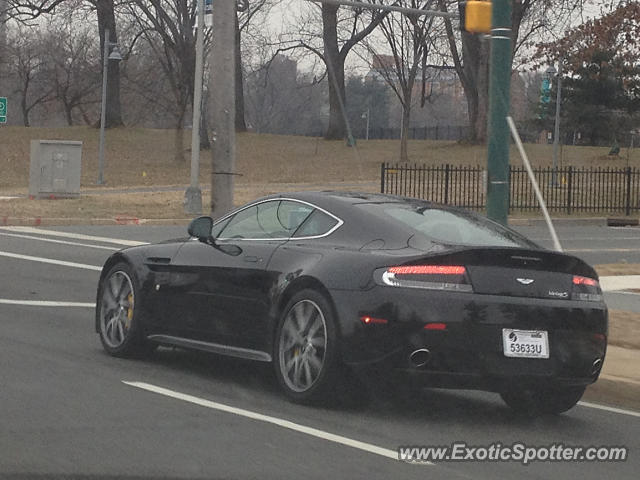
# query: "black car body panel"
232, 292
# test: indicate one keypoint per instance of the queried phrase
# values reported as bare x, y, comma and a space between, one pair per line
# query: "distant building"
445, 100
284, 68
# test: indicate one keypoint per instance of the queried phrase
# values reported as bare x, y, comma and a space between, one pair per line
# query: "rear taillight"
586, 289
432, 277
428, 270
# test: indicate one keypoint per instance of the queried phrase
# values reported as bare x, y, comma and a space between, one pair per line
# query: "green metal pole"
499, 83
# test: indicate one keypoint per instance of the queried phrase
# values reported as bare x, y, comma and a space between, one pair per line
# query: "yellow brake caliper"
130, 309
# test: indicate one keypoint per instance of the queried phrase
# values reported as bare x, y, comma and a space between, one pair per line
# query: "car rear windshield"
450, 226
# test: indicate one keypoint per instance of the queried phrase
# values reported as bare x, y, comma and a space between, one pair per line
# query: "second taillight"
586, 289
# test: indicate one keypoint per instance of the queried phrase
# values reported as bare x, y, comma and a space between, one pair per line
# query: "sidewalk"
622, 364
619, 382
619, 282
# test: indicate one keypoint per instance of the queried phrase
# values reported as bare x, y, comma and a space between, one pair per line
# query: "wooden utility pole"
222, 88
193, 195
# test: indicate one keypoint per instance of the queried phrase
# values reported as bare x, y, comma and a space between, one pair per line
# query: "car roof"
359, 224
337, 201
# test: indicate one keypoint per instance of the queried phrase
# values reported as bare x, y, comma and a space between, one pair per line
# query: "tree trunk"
337, 129
241, 124
107, 19
85, 117
69, 115
475, 54
472, 112
404, 139
480, 128
25, 110
179, 144
179, 139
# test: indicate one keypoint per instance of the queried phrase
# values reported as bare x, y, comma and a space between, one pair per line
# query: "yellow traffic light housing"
477, 16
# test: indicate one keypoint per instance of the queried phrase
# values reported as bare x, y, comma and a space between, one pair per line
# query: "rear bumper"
469, 352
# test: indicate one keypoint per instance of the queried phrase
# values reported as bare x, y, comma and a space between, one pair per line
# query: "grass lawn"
137, 156
265, 164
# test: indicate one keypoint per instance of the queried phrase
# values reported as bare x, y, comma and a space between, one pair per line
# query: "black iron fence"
568, 189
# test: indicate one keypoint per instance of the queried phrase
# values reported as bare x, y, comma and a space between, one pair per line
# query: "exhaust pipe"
420, 357
597, 365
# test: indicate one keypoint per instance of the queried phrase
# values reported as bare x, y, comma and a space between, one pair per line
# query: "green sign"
3, 109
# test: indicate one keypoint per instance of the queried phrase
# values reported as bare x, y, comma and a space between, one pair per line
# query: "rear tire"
534, 401
306, 357
119, 314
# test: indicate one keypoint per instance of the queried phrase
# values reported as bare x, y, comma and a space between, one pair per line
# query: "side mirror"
201, 228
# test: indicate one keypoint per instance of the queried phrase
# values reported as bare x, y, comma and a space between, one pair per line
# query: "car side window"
318, 223
272, 219
292, 214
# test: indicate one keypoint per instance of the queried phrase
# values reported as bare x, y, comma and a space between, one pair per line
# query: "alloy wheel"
302, 346
116, 311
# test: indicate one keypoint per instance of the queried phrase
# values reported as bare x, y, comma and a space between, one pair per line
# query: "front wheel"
119, 313
305, 353
534, 401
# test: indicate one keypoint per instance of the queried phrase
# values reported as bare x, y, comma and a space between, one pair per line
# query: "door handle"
252, 259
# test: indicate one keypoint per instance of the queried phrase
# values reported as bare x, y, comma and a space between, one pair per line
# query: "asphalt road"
65, 409
595, 244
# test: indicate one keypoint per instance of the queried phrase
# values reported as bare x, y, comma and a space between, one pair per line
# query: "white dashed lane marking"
45, 303
52, 240
50, 261
76, 236
313, 432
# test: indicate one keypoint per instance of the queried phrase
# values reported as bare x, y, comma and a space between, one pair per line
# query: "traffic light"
475, 16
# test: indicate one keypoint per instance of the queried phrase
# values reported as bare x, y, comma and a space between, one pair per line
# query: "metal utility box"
55, 168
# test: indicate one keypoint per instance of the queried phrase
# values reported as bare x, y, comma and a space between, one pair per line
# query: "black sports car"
324, 283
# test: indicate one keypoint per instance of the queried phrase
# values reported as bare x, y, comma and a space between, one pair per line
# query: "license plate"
525, 343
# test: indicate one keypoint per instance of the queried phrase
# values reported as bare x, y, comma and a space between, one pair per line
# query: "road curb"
614, 392
568, 222
619, 282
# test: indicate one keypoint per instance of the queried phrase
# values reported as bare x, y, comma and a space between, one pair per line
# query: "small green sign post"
3, 109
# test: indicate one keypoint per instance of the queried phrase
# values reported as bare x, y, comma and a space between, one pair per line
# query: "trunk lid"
516, 272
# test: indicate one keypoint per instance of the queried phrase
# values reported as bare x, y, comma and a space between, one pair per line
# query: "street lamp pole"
556, 132
367, 115
115, 55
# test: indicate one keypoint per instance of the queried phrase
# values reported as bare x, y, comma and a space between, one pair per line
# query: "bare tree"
530, 20
167, 27
3, 36
334, 55
246, 14
27, 66
145, 89
410, 38
343, 28
25, 10
72, 56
